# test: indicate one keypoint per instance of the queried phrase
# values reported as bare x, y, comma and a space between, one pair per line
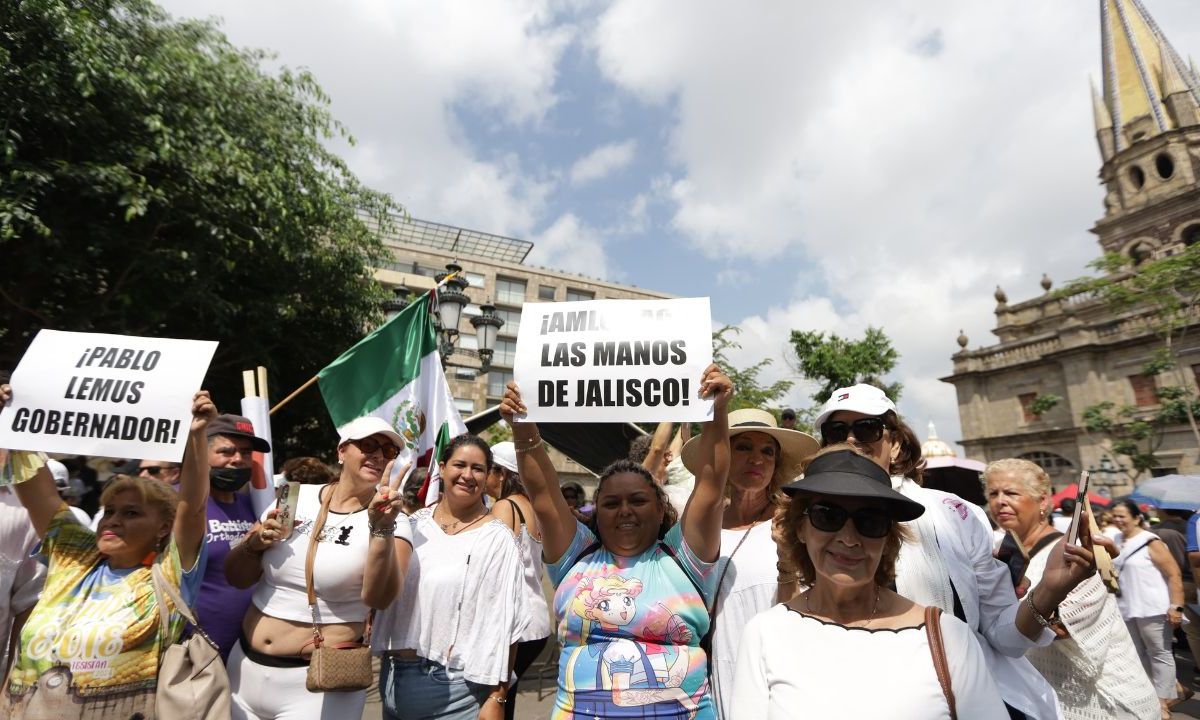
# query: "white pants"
1152, 638
261, 692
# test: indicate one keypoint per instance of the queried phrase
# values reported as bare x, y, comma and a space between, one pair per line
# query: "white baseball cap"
58, 471
862, 398
504, 454
366, 426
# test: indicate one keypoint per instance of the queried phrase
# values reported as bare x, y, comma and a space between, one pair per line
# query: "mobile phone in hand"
287, 494
1080, 499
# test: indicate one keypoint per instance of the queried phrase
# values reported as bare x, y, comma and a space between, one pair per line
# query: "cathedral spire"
1141, 70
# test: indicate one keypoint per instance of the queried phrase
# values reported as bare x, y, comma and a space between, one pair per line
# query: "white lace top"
1096, 671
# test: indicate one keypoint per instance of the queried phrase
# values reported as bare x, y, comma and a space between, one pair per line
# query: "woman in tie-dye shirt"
92, 644
633, 586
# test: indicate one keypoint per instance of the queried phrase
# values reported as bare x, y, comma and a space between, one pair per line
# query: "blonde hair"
1032, 476
154, 493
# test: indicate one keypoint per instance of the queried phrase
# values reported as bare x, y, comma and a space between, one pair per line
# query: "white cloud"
398, 73
602, 162
568, 244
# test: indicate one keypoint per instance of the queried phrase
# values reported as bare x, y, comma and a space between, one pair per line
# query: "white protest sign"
614, 360
106, 395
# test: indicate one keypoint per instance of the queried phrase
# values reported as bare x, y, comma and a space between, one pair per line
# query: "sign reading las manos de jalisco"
105, 395
614, 360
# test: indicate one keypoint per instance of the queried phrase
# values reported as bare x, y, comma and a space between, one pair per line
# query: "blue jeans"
425, 690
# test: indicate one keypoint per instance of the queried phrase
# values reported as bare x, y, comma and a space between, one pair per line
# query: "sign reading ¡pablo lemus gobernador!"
105, 395
614, 360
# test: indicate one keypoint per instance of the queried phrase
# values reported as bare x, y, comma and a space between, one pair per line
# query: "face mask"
228, 479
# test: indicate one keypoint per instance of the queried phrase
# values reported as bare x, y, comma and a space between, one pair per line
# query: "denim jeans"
425, 690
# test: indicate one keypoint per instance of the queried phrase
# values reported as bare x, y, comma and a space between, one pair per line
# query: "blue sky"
818, 166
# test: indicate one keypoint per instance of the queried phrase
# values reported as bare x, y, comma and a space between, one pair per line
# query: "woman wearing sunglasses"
949, 564
362, 555
762, 457
840, 526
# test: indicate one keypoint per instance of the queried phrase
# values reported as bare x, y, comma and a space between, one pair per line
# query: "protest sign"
107, 395
614, 360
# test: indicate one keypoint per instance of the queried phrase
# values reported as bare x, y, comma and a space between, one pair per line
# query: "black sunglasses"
867, 430
830, 518
369, 445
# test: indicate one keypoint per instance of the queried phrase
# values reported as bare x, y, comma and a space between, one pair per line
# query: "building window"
497, 381
464, 374
512, 320
1027, 406
1196, 374
1163, 471
546, 292
1047, 461
505, 352
465, 406
574, 295
1144, 390
476, 279
468, 342
511, 292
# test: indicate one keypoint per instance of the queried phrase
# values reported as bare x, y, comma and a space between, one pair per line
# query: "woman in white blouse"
867, 652
449, 640
1151, 597
1093, 667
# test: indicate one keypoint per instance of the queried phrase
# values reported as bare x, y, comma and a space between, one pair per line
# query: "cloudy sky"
808, 165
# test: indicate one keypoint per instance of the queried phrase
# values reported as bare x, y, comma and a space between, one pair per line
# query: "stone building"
495, 267
1147, 121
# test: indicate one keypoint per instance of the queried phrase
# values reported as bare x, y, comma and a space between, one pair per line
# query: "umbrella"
1071, 491
1170, 492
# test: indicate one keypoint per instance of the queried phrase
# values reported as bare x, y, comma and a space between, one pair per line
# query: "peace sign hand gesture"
385, 507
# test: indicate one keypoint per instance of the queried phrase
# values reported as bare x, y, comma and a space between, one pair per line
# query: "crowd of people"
752, 570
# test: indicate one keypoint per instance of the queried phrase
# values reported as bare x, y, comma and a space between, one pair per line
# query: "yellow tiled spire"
1139, 63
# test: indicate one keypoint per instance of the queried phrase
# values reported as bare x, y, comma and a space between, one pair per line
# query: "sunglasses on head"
827, 517
369, 445
867, 430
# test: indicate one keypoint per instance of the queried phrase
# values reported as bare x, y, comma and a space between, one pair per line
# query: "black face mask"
228, 479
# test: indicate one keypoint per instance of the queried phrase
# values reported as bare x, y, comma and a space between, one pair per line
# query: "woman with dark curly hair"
841, 530
631, 589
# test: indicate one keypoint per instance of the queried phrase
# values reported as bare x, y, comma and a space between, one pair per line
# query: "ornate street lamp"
451, 301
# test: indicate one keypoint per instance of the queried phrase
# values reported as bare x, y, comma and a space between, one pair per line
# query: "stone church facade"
1147, 119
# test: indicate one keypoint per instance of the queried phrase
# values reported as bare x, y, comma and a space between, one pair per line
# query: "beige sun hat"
794, 446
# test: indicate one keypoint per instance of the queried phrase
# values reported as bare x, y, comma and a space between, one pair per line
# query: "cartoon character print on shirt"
611, 674
334, 534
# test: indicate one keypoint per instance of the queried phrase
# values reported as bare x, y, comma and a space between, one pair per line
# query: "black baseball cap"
788, 413
845, 473
236, 426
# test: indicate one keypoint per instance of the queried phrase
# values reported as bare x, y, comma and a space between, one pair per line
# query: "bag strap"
517, 508
314, 537
1037, 548
933, 628
162, 587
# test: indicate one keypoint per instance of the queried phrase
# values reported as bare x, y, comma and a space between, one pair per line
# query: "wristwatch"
1176, 608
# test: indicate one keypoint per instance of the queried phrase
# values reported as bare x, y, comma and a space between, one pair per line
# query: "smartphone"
287, 494
1012, 553
1080, 499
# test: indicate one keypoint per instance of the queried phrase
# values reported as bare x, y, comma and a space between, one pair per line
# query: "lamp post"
1106, 475
452, 300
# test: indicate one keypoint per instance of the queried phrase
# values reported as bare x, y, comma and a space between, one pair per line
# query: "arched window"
1190, 235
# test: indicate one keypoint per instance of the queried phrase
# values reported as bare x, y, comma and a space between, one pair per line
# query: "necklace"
452, 528
875, 609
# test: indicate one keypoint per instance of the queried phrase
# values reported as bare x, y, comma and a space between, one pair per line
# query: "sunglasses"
830, 518
369, 445
867, 430
152, 471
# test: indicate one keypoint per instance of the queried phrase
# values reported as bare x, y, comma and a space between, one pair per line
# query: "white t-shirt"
21, 575
463, 603
747, 588
337, 568
856, 672
1144, 592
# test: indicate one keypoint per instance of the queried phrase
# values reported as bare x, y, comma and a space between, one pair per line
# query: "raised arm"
38, 494
190, 516
659, 445
702, 517
387, 556
541, 480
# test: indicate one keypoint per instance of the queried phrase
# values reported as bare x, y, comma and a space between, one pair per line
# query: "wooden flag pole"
311, 381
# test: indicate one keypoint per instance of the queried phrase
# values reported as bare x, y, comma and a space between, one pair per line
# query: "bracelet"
498, 698
383, 531
1046, 621
533, 445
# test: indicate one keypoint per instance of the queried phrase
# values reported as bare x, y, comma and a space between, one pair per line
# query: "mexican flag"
396, 373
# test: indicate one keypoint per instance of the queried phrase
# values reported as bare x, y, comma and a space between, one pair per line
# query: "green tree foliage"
836, 362
155, 180
748, 388
1043, 404
1165, 294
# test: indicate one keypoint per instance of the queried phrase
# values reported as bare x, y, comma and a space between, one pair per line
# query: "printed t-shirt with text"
630, 630
101, 623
